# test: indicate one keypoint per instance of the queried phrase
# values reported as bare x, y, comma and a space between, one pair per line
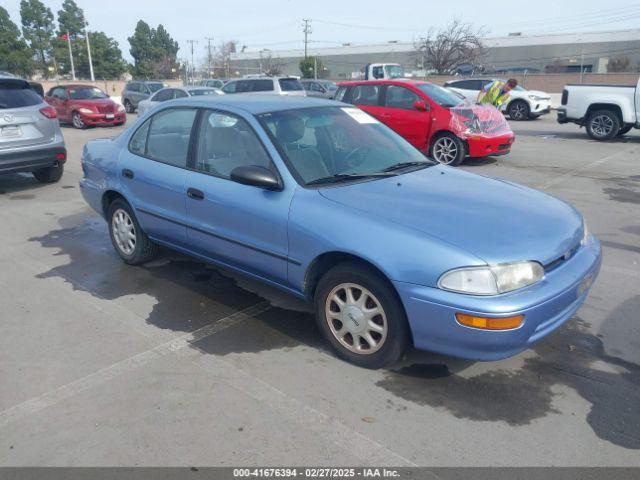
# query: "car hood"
537, 93
492, 219
469, 120
96, 102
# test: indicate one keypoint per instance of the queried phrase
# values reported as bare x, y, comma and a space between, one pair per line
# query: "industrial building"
515, 53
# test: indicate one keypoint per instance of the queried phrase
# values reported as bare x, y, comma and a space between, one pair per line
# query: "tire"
348, 340
49, 174
76, 121
128, 107
519, 110
624, 130
448, 149
603, 125
142, 249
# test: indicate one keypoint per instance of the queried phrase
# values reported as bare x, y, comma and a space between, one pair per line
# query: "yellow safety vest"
494, 95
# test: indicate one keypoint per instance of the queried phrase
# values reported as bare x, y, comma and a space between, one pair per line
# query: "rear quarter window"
17, 95
290, 85
261, 85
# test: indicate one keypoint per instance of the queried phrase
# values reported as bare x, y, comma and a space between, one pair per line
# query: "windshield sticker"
359, 116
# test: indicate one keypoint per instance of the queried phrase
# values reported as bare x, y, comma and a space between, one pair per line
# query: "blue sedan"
321, 200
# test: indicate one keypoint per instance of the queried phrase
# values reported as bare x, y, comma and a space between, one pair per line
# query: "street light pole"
86, 34
73, 70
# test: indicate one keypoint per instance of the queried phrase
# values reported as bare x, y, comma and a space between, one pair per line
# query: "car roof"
399, 81
258, 103
76, 85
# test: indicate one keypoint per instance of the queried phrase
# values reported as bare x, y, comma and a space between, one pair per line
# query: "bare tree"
618, 64
222, 58
456, 44
269, 64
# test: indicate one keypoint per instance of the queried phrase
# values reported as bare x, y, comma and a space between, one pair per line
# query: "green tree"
71, 19
38, 31
154, 52
106, 57
15, 55
309, 65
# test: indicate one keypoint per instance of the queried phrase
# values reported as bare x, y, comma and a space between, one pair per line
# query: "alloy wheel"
77, 120
445, 150
518, 111
602, 125
123, 231
356, 318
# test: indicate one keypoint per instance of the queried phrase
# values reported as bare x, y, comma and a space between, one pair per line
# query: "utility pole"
86, 34
209, 39
193, 65
307, 31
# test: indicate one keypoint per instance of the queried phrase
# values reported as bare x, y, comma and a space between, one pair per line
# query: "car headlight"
85, 110
492, 279
585, 232
121, 108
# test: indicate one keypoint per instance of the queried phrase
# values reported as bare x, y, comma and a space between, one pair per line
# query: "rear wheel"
128, 239
361, 315
128, 107
447, 149
49, 174
76, 120
519, 110
603, 125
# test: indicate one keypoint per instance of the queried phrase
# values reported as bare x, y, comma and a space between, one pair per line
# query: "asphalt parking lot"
178, 363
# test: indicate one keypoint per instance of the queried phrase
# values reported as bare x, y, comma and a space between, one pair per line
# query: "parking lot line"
36, 404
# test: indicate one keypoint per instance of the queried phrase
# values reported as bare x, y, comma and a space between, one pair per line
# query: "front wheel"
603, 125
128, 107
360, 314
447, 149
128, 239
519, 110
49, 174
76, 120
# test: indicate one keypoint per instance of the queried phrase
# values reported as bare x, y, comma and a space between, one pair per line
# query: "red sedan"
85, 106
433, 119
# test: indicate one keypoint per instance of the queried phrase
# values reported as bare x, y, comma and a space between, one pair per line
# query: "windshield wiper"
349, 176
418, 163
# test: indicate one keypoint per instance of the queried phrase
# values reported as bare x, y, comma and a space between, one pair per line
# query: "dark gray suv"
30, 136
136, 91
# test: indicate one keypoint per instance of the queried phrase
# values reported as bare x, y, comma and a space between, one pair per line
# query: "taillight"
49, 112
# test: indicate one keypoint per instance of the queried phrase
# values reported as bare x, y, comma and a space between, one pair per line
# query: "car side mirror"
421, 106
256, 176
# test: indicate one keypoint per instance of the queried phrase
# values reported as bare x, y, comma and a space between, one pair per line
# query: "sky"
277, 24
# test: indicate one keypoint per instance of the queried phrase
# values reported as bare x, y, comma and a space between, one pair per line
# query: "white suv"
522, 105
272, 85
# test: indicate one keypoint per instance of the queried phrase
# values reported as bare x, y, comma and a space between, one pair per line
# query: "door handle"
195, 194
126, 173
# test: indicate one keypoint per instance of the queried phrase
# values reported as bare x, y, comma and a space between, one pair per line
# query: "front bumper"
541, 107
545, 306
484, 146
32, 159
100, 119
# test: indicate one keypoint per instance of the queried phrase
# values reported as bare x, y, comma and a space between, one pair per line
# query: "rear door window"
365, 95
163, 95
261, 85
17, 94
290, 84
180, 94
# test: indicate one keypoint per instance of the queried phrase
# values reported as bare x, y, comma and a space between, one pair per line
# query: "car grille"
504, 146
560, 260
106, 109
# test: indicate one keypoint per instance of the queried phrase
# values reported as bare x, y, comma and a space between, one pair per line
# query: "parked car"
606, 111
523, 104
433, 119
30, 136
136, 91
323, 201
271, 85
173, 93
213, 82
320, 88
85, 106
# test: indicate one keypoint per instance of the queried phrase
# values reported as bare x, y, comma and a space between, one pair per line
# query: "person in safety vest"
496, 93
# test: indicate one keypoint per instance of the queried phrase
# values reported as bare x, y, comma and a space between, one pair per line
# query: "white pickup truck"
606, 111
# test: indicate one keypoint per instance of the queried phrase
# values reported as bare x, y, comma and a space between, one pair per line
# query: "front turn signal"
486, 323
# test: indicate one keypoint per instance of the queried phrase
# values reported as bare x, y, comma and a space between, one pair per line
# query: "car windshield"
290, 84
202, 91
440, 95
325, 145
329, 86
154, 87
86, 93
394, 71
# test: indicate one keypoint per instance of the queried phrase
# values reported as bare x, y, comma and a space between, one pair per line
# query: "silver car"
320, 88
272, 85
136, 91
173, 93
30, 136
